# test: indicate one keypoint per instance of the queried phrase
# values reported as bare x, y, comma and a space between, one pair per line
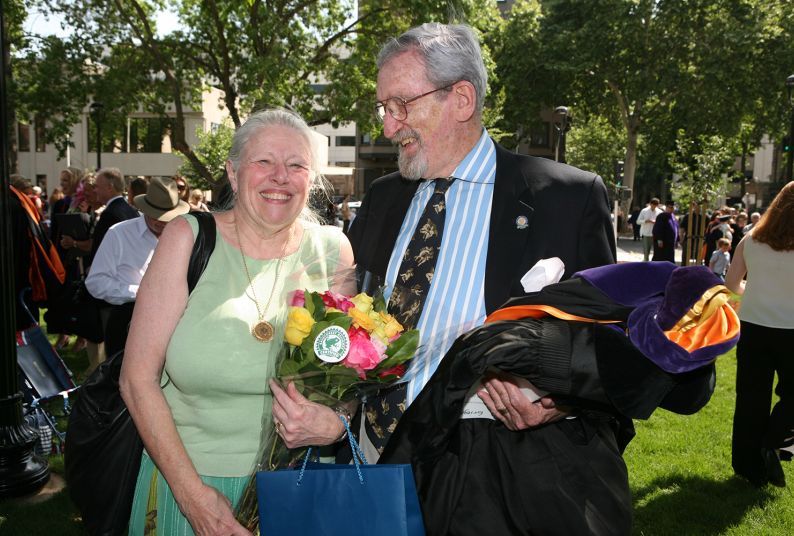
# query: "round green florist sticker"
332, 344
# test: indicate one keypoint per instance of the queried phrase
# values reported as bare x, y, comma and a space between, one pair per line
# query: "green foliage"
594, 143
700, 165
656, 66
212, 149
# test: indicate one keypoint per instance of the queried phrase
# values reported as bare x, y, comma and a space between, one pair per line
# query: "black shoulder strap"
202, 248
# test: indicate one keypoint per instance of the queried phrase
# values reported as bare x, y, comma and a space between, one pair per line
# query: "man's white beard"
412, 168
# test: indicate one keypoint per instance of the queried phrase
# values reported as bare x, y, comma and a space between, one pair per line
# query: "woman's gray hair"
319, 186
451, 52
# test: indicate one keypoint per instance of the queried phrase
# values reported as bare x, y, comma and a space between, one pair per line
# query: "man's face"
155, 226
104, 191
426, 137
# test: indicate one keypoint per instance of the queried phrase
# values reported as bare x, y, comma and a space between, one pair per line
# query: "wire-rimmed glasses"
398, 107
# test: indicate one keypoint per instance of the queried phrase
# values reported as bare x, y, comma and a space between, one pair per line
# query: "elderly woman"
218, 348
766, 257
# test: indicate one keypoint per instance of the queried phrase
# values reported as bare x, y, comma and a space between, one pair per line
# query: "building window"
40, 132
114, 137
319, 89
23, 137
345, 141
146, 134
215, 127
41, 180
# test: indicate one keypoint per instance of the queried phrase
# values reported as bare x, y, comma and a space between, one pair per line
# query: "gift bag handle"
358, 454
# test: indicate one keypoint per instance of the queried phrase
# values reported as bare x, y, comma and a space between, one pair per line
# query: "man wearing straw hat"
124, 255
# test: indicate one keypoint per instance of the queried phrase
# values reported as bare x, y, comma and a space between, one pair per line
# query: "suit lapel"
511, 220
396, 206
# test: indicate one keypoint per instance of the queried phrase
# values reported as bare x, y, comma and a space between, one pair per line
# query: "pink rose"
363, 354
298, 299
337, 301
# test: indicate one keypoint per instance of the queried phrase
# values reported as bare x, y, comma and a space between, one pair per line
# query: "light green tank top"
218, 391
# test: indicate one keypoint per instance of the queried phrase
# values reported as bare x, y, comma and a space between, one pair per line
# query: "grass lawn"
679, 468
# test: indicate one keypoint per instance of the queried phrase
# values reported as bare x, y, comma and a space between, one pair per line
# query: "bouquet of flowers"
336, 349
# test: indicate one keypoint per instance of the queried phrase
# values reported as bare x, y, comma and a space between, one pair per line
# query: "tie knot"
442, 184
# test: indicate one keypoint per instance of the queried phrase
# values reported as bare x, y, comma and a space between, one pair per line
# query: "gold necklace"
262, 330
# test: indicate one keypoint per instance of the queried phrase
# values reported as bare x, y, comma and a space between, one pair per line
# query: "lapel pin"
522, 222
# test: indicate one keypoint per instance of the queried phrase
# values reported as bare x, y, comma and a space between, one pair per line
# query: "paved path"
631, 251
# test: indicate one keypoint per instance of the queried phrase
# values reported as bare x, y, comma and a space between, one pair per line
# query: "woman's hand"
210, 513
301, 422
506, 402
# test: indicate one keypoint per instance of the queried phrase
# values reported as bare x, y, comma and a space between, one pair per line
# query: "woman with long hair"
766, 257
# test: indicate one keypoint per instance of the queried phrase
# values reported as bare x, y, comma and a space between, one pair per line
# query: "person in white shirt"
124, 255
646, 219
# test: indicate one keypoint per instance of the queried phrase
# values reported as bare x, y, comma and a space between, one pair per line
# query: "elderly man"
124, 255
451, 235
110, 192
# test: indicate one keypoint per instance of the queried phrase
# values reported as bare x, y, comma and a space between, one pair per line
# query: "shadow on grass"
679, 504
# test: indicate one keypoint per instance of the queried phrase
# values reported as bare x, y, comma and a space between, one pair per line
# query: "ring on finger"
278, 427
502, 410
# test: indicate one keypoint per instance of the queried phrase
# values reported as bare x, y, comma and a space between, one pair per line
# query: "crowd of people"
663, 233
451, 237
76, 219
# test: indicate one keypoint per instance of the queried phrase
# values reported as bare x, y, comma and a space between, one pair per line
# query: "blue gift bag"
339, 500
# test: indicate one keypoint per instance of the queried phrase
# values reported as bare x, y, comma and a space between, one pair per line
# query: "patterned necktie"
405, 304
419, 261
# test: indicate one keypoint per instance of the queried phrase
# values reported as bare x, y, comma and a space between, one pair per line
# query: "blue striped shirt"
456, 301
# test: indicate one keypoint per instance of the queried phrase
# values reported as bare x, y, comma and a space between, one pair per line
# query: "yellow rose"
299, 325
362, 302
361, 318
390, 325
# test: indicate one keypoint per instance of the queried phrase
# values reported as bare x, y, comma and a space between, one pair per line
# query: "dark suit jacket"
566, 209
117, 211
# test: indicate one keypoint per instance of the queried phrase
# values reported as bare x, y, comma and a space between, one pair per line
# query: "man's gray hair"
451, 52
113, 176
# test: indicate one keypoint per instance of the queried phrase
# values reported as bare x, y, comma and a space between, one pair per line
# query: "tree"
681, 64
258, 53
595, 144
212, 149
700, 165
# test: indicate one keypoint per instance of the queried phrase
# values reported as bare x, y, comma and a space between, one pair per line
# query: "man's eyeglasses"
397, 106
180, 187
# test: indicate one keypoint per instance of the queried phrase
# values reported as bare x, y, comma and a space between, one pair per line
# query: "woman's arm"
161, 300
734, 279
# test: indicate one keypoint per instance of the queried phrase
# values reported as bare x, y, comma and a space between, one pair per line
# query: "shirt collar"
479, 159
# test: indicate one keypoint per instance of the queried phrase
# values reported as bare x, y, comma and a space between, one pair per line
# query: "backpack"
103, 450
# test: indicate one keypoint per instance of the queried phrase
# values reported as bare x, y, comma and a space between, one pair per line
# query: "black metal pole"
96, 111
20, 471
790, 162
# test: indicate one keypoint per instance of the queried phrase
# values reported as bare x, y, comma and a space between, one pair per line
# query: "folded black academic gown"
474, 476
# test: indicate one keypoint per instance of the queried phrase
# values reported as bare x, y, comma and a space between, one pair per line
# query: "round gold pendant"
263, 331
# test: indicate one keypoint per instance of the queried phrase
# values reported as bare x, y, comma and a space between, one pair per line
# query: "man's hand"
506, 402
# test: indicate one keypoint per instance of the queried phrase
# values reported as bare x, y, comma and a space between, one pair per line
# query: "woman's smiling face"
274, 176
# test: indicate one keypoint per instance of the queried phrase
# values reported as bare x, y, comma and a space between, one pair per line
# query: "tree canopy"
313, 56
